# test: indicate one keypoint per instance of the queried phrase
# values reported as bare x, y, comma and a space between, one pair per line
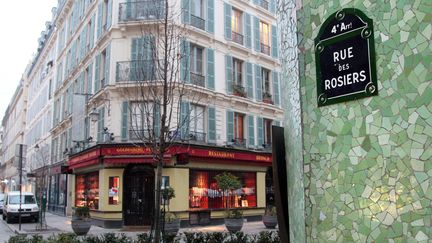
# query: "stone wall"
368, 163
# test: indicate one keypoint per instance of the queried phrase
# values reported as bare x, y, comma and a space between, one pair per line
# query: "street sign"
345, 58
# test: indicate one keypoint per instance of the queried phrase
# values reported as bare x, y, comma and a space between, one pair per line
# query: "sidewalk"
61, 224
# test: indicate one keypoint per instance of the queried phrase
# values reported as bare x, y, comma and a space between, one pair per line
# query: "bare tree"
159, 81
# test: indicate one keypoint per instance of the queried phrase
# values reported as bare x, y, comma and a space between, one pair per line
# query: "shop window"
87, 190
204, 193
113, 190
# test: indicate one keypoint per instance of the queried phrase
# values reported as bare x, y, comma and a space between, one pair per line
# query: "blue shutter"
185, 69
210, 69
125, 120
185, 11
133, 75
260, 124
101, 124
83, 48
90, 78
184, 119
276, 88
211, 125
248, 30
258, 83
228, 74
91, 33
256, 2
249, 80
251, 131
97, 74
157, 119
256, 31
99, 21
227, 14
274, 41
230, 126
272, 6
109, 15
210, 16
107, 65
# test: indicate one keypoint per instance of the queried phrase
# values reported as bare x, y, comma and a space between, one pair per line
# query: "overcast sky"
22, 22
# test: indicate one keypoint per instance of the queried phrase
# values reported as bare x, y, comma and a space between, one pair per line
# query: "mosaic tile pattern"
368, 163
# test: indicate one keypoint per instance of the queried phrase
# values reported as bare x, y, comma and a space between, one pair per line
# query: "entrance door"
138, 196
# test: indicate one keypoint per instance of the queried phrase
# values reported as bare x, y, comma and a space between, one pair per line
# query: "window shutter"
184, 119
227, 14
248, 30
125, 120
185, 69
91, 32
249, 80
107, 65
134, 58
228, 74
211, 124
83, 47
210, 69
256, 2
258, 83
251, 131
157, 119
260, 123
230, 126
256, 31
97, 74
101, 124
210, 16
274, 41
99, 21
185, 11
109, 15
276, 88
90, 78
272, 6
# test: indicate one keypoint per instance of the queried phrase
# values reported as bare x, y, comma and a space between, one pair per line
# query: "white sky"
22, 22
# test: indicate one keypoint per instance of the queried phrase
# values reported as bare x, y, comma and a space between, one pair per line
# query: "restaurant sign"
345, 58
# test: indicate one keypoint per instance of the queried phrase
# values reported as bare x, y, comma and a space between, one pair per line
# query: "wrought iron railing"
149, 10
240, 142
136, 71
197, 22
138, 134
196, 136
264, 4
265, 49
237, 37
197, 79
239, 90
267, 98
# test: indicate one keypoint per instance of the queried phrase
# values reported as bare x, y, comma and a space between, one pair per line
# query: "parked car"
29, 207
1, 202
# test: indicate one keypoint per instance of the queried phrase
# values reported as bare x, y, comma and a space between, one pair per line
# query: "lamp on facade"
36, 148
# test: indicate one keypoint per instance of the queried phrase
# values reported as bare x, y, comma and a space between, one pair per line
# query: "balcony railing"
265, 49
237, 38
149, 10
196, 136
197, 22
136, 71
240, 142
138, 134
264, 4
197, 79
267, 98
239, 90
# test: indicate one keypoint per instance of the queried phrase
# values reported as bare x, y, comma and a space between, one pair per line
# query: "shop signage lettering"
345, 58
220, 154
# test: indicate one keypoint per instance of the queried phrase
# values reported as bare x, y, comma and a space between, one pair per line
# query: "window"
196, 65
239, 130
87, 190
113, 190
196, 124
197, 14
105, 15
265, 76
236, 26
267, 132
89, 36
141, 120
102, 68
205, 194
265, 38
237, 75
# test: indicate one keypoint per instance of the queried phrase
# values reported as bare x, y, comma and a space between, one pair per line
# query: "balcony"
150, 10
196, 136
265, 49
197, 79
197, 22
239, 142
135, 71
264, 4
138, 134
267, 98
239, 90
237, 38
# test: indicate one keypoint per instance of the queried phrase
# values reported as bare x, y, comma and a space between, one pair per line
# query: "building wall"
368, 175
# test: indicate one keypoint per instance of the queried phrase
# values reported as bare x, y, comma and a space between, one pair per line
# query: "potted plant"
228, 183
81, 222
270, 217
171, 222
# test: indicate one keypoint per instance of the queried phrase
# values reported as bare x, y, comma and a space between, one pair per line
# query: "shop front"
116, 181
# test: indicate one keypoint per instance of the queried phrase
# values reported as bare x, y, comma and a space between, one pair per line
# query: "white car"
29, 207
1, 202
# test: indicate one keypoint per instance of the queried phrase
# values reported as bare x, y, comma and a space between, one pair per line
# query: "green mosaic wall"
368, 163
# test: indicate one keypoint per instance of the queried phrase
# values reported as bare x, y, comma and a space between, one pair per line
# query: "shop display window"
113, 190
205, 194
87, 190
